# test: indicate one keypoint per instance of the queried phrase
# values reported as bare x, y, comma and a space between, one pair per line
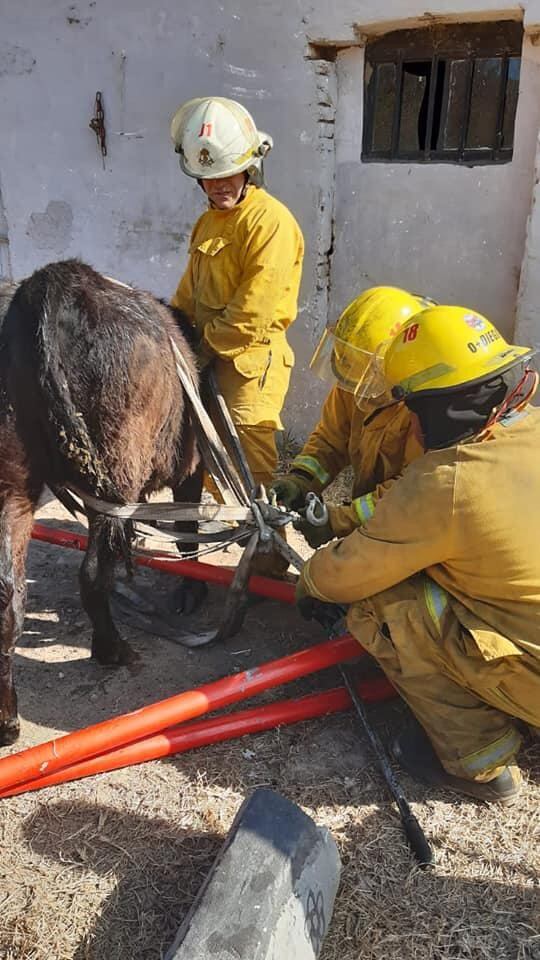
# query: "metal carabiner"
265, 532
316, 510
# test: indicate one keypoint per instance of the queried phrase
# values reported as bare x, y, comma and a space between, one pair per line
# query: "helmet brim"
250, 165
493, 368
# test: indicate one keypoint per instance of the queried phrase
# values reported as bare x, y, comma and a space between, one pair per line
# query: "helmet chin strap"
516, 400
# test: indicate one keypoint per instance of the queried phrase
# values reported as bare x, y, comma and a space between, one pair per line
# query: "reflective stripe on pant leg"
495, 754
471, 737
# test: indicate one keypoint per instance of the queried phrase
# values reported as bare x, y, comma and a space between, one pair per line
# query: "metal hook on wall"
97, 124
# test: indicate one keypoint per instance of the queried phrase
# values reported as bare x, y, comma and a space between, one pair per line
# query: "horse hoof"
114, 655
9, 732
189, 596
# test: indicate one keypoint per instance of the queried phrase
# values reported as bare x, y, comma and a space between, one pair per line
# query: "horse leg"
96, 578
190, 594
16, 515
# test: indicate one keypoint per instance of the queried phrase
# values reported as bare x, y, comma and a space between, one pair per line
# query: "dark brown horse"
90, 397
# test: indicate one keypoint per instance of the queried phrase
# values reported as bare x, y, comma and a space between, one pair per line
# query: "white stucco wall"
453, 232
440, 229
528, 305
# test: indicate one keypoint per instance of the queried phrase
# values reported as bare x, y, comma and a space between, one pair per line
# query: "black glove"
316, 536
311, 608
290, 490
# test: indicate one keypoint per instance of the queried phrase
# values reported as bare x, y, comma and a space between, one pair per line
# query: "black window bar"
443, 96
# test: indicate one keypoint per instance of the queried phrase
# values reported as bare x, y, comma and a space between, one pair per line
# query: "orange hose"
46, 758
192, 735
210, 572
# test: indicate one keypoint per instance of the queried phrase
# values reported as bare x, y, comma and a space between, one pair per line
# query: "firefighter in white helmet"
240, 287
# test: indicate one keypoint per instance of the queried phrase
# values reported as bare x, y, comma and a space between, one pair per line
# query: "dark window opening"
447, 93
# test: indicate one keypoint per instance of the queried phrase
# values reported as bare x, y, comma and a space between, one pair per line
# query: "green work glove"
315, 536
290, 490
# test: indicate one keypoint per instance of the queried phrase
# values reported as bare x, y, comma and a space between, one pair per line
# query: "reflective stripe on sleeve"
364, 507
312, 466
436, 601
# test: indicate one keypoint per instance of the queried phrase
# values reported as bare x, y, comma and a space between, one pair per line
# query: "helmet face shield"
373, 385
336, 361
351, 351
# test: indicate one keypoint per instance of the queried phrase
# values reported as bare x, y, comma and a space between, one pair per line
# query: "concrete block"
271, 891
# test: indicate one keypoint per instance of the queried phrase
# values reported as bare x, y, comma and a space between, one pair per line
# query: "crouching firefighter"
373, 435
443, 580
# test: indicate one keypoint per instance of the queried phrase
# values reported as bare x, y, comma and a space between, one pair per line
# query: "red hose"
189, 736
101, 737
264, 586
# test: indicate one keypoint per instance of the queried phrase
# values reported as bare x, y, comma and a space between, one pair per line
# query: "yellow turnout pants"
464, 702
259, 445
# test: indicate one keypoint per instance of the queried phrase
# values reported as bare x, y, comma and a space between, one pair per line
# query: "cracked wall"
444, 230
528, 308
5, 262
325, 112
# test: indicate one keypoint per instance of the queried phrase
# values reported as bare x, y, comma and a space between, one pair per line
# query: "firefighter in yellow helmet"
376, 440
443, 580
240, 287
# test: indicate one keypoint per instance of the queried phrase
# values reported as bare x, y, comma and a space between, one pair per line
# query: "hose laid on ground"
189, 736
47, 758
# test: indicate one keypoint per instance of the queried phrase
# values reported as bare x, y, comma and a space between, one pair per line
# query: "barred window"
446, 93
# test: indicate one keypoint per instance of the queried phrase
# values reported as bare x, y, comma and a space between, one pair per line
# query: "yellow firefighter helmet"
444, 348
346, 350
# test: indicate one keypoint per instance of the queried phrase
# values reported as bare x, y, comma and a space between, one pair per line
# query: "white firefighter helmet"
217, 138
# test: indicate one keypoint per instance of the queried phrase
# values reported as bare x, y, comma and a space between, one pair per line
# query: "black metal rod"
432, 88
415, 835
396, 125
503, 82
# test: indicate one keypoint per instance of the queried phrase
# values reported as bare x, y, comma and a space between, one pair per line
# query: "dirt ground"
106, 868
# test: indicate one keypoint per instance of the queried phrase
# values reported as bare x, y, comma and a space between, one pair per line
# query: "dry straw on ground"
106, 868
